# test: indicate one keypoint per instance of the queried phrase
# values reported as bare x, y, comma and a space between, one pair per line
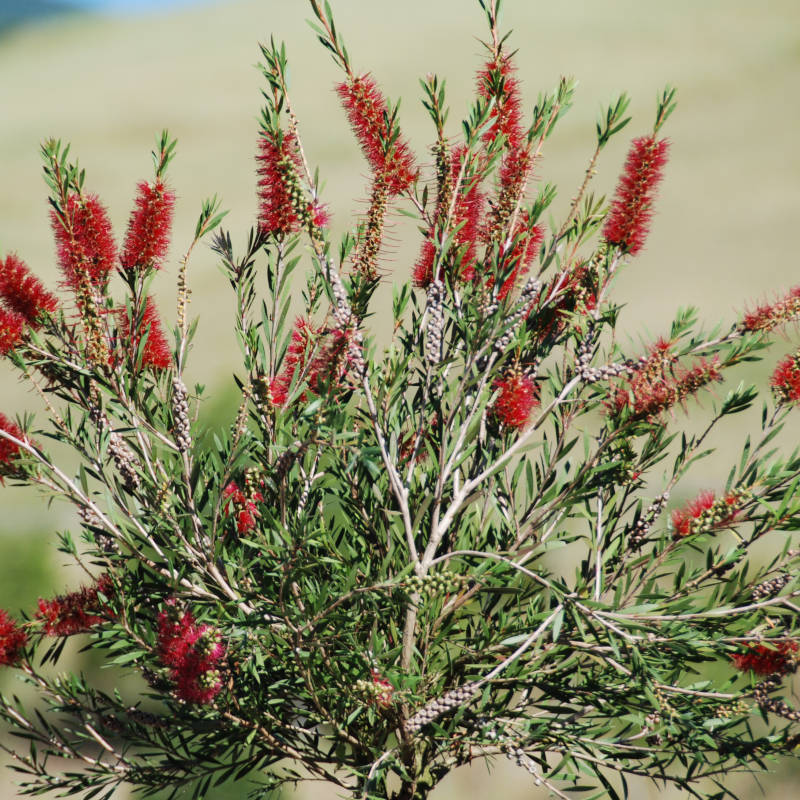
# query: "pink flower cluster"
628, 221
193, 654
76, 612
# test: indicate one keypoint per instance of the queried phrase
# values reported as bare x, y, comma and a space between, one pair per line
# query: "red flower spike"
8, 449
777, 659
771, 315
147, 239
367, 110
12, 326
23, 293
12, 640
76, 612
519, 395
497, 80
524, 248
244, 508
785, 380
84, 241
156, 353
279, 162
707, 513
658, 384
383, 690
466, 217
628, 220
193, 653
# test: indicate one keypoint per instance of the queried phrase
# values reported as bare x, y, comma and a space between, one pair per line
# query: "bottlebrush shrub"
353, 583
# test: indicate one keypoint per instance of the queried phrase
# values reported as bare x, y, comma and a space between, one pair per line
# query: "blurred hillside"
723, 237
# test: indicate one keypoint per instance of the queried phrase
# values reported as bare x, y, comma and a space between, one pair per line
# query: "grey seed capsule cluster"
180, 415
526, 298
645, 522
449, 701
770, 587
779, 707
435, 324
122, 456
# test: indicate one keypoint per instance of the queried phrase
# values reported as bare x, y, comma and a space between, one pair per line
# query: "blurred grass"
723, 238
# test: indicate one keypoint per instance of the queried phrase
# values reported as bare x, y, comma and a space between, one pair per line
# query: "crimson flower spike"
12, 640
785, 380
519, 395
628, 221
497, 80
149, 227
156, 352
376, 129
84, 241
23, 293
777, 659
12, 327
76, 612
9, 450
467, 211
771, 315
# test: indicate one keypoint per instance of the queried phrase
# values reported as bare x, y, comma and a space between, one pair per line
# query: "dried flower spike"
628, 220
771, 315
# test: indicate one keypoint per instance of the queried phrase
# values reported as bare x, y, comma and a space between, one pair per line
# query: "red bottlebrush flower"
76, 612
243, 506
466, 218
389, 156
84, 241
303, 335
706, 513
628, 220
383, 690
23, 293
193, 653
519, 395
524, 248
279, 190
156, 352
8, 449
12, 326
785, 380
658, 384
12, 640
497, 80
777, 659
771, 315
147, 239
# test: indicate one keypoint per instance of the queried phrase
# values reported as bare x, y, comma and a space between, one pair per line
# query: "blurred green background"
724, 236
